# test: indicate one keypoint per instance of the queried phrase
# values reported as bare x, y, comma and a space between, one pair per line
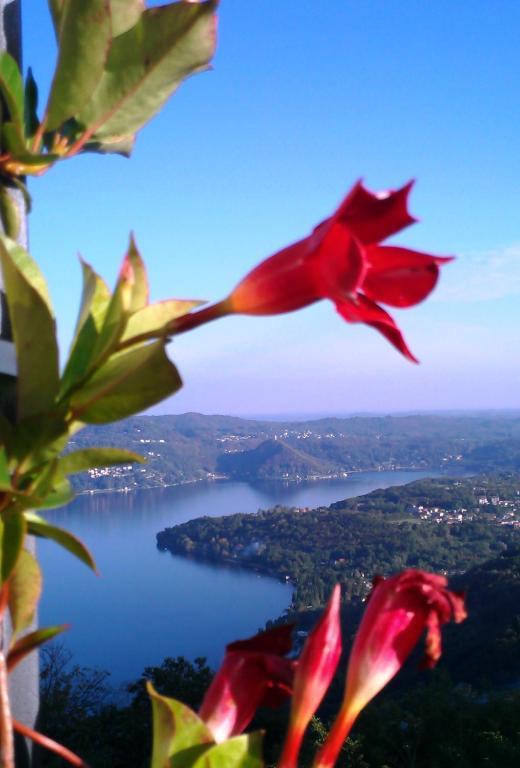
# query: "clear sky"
304, 99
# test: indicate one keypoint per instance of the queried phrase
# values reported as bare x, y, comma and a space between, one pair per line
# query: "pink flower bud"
253, 672
399, 610
314, 672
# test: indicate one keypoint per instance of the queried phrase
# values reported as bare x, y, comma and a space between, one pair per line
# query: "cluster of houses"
497, 510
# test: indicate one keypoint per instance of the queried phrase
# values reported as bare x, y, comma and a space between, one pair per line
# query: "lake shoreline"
286, 480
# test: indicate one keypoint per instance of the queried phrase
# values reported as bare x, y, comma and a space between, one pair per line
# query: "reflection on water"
146, 604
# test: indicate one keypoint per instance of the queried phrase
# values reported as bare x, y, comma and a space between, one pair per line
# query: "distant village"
496, 510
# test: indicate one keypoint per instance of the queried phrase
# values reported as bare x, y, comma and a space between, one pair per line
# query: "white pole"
24, 680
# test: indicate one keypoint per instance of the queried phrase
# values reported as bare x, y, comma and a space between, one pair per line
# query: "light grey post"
24, 680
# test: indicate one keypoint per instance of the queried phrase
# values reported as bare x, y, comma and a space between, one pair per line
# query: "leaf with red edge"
28, 643
243, 751
50, 744
84, 43
25, 586
38, 526
179, 734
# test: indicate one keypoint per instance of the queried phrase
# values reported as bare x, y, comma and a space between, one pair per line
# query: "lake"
147, 604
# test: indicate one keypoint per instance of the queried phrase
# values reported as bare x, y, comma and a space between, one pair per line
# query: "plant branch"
50, 744
204, 315
6, 720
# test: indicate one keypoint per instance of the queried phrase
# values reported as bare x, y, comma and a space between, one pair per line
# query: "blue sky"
304, 99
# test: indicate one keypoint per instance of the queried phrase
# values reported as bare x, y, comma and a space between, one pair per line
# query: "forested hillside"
191, 447
441, 525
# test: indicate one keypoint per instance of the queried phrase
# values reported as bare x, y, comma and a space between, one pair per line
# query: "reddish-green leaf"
125, 14
84, 41
11, 87
28, 643
25, 586
128, 383
5, 478
239, 752
147, 63
179, 735
95, 300
87, 458
38, 526
34, 330
155, 317
12, 532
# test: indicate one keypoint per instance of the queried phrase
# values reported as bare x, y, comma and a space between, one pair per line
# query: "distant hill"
193, 446
272, 459
486, 648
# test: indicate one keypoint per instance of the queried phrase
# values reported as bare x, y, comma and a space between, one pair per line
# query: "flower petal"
398, 611
399, 276
281, 283
277, 641
339, 262
314, 672
253, 672
374, 217
364, 310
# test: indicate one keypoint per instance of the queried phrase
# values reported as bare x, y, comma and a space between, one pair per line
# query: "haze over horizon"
316, 415
251, 156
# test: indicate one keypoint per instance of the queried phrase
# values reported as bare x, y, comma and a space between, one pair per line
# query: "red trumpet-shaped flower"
254, 672
342, 260
399, 610
314, 672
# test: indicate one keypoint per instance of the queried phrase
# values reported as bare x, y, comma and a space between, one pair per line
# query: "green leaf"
9, 213
84, 41
115, 319
178, 732
5, 478
38, 439
12, 532
125, 14
28, 643
87, 458
14, 144
94, 304
116, 145
147, 64
25, 586
94, 300
38, 526
34, 330
60, 494
128, 383
31, 105
56, 9
11, 87
50, 488
155, 317
239, 752
135, 272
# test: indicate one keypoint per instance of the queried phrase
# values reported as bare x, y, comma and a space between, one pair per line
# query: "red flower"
314, 672
253, 673
342, 261
398, 611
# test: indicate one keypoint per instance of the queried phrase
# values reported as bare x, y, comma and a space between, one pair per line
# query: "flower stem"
47, 743
204, 315
291, 748
6, 720
328, 753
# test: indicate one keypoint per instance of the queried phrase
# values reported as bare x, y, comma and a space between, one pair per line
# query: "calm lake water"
147, 604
